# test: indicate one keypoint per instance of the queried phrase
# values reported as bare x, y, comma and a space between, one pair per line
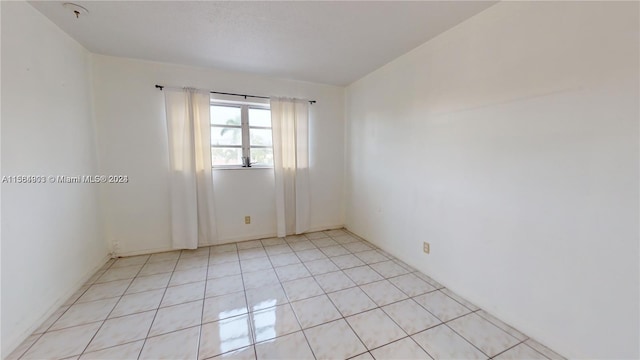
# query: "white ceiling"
324, 42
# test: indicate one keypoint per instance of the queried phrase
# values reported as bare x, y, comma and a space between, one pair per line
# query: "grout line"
159, 304
204, 298
292, 310
246, 301
114, 306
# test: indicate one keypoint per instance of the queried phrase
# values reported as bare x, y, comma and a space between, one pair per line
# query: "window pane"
262, 156
226, 136
226, 156
260, 137
225, 115
260, 117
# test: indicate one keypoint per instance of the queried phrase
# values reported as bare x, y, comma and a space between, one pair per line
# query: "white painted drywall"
51, 234
510, 143
132, 141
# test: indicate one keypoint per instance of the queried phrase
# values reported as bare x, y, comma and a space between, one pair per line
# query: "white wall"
510, 143
132, 141
51, 236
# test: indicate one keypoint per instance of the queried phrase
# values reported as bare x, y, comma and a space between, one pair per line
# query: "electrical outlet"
247, 219
425, 247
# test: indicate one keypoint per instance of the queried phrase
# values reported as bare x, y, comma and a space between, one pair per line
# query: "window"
240, 130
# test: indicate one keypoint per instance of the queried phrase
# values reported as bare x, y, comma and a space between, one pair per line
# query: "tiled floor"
324, 295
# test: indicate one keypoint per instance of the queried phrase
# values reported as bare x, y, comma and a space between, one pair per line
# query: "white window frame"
244, 126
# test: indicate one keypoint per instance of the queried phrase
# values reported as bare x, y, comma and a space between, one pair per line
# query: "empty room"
320, 180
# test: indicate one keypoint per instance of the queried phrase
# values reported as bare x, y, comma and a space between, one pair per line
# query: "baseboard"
13, 344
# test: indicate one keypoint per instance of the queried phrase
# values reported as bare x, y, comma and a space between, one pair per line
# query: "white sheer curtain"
290, 124
188, 129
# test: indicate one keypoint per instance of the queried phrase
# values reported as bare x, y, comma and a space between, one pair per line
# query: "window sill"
238, 167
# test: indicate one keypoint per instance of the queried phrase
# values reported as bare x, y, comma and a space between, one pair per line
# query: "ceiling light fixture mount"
76, 9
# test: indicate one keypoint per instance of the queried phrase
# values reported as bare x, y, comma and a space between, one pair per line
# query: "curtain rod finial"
159, 87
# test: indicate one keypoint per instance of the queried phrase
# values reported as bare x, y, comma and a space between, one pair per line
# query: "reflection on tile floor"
323, 295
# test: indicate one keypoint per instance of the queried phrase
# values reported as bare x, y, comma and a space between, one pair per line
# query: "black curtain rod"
232, 94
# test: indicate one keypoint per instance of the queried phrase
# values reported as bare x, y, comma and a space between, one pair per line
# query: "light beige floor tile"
224, 285
375, 328
181, 344
224, 306
251, 244
76, 295
254, 253
388, 269
85, 313
497, 322
405, 349
344, 342
266, 297
334, 281
357, 246
292, 272
192, 253
223, 258
23, 347
260, 278
177, 317
363, 275
273, 322
256, 264
443, 343
181, 277
347, 261
130, 260
371, 257
218, 249
278, 250
336, 232
351, 301
122, 330
544, 350
315, 311
320, 266
52, 319
164, 256
273, 241
139, 302
302, 245
316, 235
284, 259
151, 282
345, 239
411, 284
222, 336
459, 299
429, 280
224, 269
292, 346
301, 289
127, 272
129, 351
192, 262
183, 293
521, 352
247, 353
310, 255
383, 292
62, 343
411, 317
442, 306
320, 243
334, 250
483, 334
364, 356
159, 267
